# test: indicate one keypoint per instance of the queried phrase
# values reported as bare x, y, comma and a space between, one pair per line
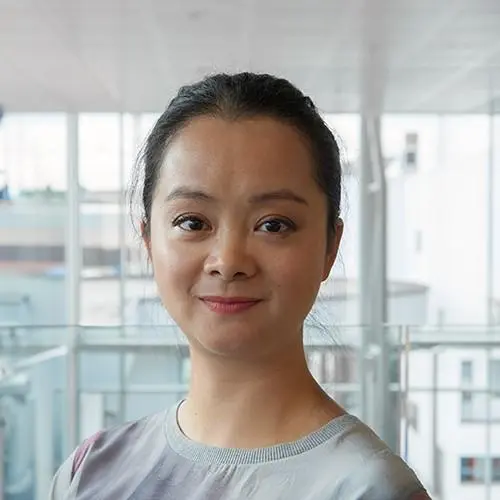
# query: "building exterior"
438, 391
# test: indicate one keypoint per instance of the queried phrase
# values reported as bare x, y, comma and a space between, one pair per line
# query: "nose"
229, 258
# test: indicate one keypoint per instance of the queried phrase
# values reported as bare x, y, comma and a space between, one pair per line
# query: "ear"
146, 238
333, 248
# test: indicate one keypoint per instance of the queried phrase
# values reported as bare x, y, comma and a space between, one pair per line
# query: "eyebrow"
278, 195
188, 194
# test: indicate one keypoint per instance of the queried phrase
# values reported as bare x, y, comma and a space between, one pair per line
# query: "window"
411, 148
467, 375
495, 470
413, 415
472, 470
495, 377
467, 408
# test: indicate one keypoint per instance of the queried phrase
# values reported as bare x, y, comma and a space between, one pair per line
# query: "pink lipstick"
229, 305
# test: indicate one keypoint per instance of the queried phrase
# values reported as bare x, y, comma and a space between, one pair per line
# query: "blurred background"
409, 333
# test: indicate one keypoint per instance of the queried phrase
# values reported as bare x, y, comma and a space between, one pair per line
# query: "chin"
238, 342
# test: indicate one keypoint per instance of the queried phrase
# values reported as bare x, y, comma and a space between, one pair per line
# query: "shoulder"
110, 447
62, 479
373, 470
388, 476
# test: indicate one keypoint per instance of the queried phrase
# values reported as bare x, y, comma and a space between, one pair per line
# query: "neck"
238, 404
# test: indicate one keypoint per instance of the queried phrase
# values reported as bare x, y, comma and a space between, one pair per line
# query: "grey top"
151, 459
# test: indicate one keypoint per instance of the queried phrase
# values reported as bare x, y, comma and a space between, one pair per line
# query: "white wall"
444, 200
496, 237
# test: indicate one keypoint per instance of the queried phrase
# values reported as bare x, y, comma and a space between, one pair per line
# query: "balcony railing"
442, 385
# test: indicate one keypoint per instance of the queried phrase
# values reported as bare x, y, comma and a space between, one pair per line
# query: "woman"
241, 196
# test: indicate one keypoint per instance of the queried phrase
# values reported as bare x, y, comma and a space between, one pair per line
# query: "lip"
229, 305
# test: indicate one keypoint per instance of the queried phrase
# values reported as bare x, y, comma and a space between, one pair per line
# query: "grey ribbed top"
201, 453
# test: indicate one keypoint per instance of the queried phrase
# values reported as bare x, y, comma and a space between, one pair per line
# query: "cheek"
173, 267
174, 279
298, 277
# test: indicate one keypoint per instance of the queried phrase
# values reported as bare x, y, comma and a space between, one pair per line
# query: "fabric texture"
151, 459
81, 453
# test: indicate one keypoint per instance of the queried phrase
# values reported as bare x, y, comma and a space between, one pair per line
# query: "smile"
229, 305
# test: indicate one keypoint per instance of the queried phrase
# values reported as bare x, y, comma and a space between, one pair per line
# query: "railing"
443, 388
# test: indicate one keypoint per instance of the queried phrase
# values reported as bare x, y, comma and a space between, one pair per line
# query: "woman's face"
238, 235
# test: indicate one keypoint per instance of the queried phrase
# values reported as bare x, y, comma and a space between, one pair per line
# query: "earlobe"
330, 260
146, 239
333, 248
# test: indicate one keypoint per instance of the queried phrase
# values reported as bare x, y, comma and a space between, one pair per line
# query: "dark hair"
238, 96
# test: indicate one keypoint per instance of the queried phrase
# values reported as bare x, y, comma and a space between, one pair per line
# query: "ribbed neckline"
201, 453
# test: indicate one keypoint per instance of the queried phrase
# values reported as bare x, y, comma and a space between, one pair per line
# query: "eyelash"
187, 218
287, 223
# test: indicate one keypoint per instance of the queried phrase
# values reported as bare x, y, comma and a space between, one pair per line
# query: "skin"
237, 213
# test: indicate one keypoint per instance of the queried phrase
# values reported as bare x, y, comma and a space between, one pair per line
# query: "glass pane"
99, 156
143, 306
472, 470
495, 376
136, 130
467, 372
495, 469
346, 128
429, 160
100, 284
32, 219
496, 218
467, 408
101, 207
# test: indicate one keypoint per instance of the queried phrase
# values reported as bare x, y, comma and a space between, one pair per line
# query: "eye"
276, 226
190, 223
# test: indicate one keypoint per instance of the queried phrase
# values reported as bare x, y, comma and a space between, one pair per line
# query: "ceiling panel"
124, 55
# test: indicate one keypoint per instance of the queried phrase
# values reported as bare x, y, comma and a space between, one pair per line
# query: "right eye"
190, 223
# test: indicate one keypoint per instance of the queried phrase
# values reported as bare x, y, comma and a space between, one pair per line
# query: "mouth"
229, 305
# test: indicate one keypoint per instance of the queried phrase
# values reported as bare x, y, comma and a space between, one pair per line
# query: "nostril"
229, 276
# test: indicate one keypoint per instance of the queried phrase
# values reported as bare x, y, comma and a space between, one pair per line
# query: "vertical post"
2, 456
488, 469
490, 211
373, 281
73, 270
373, 76
123, 263
406, 430
490, 277
365, 248
436, 464
122, 214
43, 409
379, 293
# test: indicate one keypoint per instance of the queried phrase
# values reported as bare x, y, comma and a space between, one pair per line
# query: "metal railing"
122, 373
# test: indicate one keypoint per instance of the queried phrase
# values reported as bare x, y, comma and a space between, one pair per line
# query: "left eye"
276, 226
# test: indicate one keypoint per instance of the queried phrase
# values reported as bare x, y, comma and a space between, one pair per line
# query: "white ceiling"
132, 55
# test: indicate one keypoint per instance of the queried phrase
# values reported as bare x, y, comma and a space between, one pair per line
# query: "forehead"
231, 156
